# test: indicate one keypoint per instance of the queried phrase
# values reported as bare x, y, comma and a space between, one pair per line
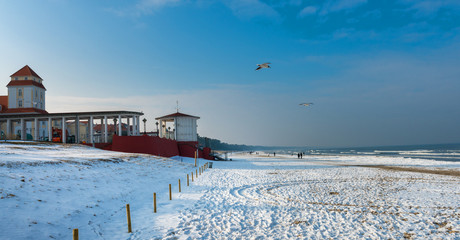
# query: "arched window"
20, 92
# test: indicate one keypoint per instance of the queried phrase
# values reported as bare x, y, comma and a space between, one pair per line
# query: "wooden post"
195, 158
75, 234
154, 202
170, 193
188, 182
179, 185
128, 214
196, 173
192, 176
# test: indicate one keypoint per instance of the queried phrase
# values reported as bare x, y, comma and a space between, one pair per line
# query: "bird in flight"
263, 65
306, 104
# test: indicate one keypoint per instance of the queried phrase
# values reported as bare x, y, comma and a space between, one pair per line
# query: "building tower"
26, 93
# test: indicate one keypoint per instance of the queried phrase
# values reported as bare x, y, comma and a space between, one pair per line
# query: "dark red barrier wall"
187, 149
145, 144
206, 152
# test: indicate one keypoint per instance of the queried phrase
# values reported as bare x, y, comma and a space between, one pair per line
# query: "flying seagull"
263, 65
306, 104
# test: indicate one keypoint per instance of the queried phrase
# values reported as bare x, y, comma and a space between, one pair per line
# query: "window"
20, 103
25, 78
20, 92
15, 78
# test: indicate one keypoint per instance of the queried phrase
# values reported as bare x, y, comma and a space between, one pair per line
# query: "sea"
438, 152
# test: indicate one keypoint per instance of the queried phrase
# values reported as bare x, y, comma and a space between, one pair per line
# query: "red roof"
25, 83
4, 103
25, 71
177, 114
25, 110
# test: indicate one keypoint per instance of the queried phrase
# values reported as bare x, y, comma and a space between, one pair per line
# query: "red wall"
187, 149
145, 144
155, 146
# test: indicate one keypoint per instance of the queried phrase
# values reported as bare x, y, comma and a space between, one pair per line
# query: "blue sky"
378, 72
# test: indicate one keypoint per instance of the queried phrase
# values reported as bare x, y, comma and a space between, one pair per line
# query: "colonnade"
47, 122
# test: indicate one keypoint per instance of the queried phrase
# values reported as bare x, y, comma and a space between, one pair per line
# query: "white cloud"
147, 5
429, 7
340, 5
142, 7
310, 10
251, 8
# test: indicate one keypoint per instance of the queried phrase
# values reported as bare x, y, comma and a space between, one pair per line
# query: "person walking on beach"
274, 154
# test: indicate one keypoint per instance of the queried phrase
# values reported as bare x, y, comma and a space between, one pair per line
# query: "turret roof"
25, 71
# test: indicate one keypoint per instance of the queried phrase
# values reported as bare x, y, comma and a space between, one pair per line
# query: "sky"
378, 72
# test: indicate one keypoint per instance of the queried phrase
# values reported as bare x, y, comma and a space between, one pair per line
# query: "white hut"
184, 127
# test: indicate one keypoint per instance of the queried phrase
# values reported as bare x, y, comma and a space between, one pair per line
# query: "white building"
23, 115
184, 127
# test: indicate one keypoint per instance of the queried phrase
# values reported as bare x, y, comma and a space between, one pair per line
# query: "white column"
129, 126
64, 135
91, 130
134, 126
160, 129
106, 137
36, 129
101, 139
50, 130
175, 128
137, 125
120, 132
8, 128
23, 130
77, 129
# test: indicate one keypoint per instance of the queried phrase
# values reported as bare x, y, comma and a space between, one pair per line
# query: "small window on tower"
20, 92
15, 78
20, 103
25, 78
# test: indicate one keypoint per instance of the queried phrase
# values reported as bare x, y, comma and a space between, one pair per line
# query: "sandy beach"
47, 190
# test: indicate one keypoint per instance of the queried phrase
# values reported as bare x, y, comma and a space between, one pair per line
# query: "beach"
47, 190
288, 198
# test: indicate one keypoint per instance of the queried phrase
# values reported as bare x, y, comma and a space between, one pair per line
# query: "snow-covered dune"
46, 190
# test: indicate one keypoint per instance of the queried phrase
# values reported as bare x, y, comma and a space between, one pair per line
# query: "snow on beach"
46, 190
